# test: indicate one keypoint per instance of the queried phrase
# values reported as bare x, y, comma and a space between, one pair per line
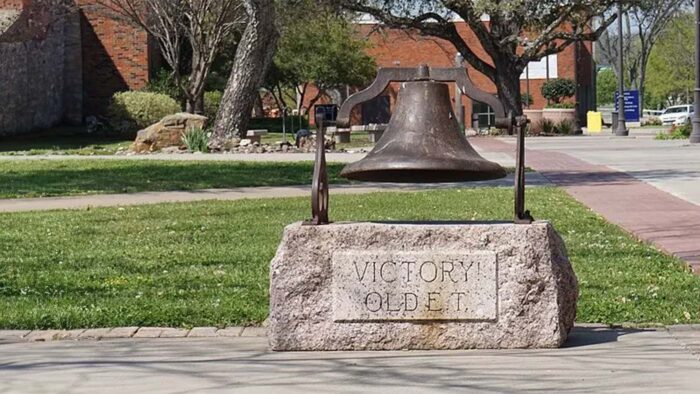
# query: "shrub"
558, 89
547, 126
196, 139
676, 133
131, 111
212, 100
565, 127
527, 99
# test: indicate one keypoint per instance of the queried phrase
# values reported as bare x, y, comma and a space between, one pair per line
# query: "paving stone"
199, 332
13, 335
68, 334
230, 332
94, 333
684, 327
43, 335
173, 333
148, 332
254, 332
121, 332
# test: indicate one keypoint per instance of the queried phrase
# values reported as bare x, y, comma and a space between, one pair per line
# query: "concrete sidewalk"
600, 360
143, 198
650, 213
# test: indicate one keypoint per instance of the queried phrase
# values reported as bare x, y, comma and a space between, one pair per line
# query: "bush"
558, 89
196, 139
676, 133
526, 99
131, 111
212, 100
547, 126
565, 127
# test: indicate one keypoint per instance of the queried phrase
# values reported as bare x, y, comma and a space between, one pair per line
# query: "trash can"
595, 122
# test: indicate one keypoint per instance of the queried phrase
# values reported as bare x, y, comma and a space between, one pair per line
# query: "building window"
485, 115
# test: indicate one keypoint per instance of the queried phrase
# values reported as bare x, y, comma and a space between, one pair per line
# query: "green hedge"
132, 111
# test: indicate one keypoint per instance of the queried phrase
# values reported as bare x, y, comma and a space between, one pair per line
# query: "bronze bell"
423, 142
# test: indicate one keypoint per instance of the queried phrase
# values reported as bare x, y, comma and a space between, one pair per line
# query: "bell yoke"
423, 142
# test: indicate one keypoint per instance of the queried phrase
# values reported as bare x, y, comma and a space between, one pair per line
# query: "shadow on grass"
70, 177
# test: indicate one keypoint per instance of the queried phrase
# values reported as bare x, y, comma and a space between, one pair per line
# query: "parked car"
677, 115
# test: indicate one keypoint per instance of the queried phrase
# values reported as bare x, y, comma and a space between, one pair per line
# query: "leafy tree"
671, 74
644, 22
318, 46
516, 32
606, 86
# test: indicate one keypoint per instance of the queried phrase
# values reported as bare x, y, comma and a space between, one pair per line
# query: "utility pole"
459, 108
695, 135
621, 129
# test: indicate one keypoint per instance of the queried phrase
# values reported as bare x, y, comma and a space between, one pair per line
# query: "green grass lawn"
200, 264
41, 178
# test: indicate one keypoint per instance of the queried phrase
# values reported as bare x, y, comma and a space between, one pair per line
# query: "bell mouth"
417, 175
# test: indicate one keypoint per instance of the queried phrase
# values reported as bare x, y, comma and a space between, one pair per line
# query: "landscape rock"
391, 286
167, 132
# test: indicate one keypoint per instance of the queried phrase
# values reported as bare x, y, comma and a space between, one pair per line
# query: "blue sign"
632, 110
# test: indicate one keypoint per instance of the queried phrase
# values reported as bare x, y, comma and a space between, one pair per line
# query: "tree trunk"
508, 87
253, 57
196, 105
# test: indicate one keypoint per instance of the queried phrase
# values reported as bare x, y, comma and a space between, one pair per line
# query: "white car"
677, 115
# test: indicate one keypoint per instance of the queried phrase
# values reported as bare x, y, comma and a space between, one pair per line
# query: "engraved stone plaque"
414, 286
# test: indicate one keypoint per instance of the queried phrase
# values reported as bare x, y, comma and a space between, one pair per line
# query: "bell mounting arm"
386, 76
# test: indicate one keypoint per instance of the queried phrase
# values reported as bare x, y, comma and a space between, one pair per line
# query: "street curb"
98, 334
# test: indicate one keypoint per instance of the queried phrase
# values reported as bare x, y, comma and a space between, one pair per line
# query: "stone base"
387, 286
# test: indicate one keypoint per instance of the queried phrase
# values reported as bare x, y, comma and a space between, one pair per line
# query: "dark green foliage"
558, 89
212, 100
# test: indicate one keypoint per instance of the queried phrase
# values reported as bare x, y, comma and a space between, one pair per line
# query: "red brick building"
95, 53
62, 60
399, 48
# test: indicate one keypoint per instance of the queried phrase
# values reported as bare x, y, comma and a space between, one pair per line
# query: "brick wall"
116, 55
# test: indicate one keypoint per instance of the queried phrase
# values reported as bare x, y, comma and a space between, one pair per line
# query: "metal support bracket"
522, 216
319, 187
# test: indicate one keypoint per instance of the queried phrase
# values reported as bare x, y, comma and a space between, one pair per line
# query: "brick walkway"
652, 215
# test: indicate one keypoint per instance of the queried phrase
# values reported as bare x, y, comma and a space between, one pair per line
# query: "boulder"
167, 132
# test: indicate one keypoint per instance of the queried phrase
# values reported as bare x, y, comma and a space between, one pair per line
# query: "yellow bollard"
595, 122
